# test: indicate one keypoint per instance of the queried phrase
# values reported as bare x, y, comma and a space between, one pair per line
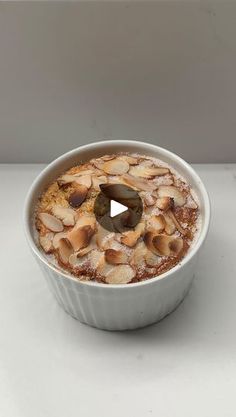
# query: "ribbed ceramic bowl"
117, 307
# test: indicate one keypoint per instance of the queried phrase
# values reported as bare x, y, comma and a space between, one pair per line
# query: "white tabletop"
53, 366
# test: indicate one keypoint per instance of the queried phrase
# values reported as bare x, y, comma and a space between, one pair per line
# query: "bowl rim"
192, 252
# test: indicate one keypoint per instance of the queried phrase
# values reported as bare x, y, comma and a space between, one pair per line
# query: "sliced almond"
170, 225
149, 200
51, 222
130, 159
77, 261
77, 197
66, 214
108, 157
84, 172
156, 222
115, 257
57, 238
148, 240
85, 220
120, 274
138, 256
164, 203
151, 258
103, 234
147, 172
65, 250
80, 238
46, 242
176, 223
97, 181
98, 163
103, 267
130, 238
95, 257
172, 192
138, 183
116, 167
84, 180
167, 245
91, 246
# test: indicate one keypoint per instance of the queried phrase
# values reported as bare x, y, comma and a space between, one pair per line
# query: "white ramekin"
117, 307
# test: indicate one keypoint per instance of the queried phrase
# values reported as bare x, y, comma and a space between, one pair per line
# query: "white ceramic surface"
118, 307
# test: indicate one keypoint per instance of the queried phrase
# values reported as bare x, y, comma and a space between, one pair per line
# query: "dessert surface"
122, 251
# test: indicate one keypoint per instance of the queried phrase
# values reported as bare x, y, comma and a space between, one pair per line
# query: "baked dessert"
73, 239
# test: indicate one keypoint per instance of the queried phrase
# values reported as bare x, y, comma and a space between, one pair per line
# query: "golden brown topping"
147, 172
116, 167
113, 256
164, 203
120, 274
46, 242
167, 245
157, 223
78, 196
139, 183
65, 250
80, 237
51, 222
66, 214
172, 192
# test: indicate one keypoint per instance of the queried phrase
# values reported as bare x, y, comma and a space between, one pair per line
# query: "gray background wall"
72, 73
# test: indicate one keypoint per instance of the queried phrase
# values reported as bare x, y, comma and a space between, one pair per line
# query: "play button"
118, 208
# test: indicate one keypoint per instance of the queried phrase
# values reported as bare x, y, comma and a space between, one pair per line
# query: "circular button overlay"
118, 208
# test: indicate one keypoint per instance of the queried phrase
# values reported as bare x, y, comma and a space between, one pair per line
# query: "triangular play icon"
116, 208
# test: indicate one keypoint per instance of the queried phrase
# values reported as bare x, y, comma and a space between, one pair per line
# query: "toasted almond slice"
148, 240
138, 183
116, 167
57, 238
85, 219
156, 222
120, 274
91, 246
151, 258
170, 225
77, 261
66, 179
66, 214
130, 238
130, 159
102, 235
46, 242
77, 197
51, 222
137, 259
65, 250
164, 203
173, 192
84, 172
167, 245
149, 200
176, 223
108, 157
98, 163
103, 267
115, 257
84, 180
96, 181
80, 238
95, 257
147, 172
